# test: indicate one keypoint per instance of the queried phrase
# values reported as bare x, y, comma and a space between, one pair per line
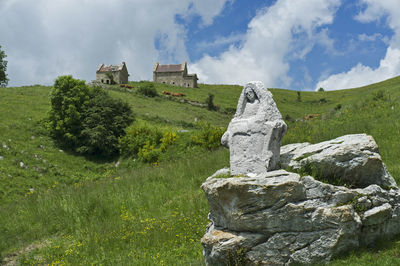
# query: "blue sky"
291, 44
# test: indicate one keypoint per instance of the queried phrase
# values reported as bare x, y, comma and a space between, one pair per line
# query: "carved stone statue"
254, 134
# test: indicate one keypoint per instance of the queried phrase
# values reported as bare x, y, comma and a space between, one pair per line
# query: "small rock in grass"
22, 165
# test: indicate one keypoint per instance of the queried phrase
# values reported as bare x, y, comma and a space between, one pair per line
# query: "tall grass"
153, 215
377, 117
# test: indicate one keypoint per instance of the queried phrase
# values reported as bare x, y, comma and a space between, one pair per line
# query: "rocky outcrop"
280, 218
283, 218
354, 159
259, 216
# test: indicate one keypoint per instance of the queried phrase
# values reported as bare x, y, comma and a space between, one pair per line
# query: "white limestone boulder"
281, 218
354, 159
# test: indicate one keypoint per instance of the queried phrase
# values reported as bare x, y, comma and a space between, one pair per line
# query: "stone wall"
175, 78
119, 77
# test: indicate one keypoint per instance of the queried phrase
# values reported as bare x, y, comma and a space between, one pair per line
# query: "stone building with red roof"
117, 74
174, 75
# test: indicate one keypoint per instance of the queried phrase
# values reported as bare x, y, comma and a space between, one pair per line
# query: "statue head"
254, 92
250, 94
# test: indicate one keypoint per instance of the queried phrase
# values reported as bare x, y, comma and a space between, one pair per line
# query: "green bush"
86, 120
149, 153
145, 142
136, 138
3, 69
69, 97
105, 120
378, 95
210, 102
298, 96
111, 77
147, 89
209, 137
167, 139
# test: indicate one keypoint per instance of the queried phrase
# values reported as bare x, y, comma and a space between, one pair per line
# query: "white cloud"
369, 38
208, 9
276, 34
45, 38
376, 10
361, 75
221, 41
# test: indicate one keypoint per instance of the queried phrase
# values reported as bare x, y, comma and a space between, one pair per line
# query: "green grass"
31, 160
152, 215
85, 210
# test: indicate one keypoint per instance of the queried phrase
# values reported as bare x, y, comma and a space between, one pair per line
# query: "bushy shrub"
167, 139
298, 96
145, 143
210, 102
338, 107
105, 120
86, 120
3, 69
111, 77
378, 95
149, 153
136, 138
323, 100
209, 137
147, 89
69, 98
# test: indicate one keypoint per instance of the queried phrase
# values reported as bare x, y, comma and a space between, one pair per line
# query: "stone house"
174, 75
117, 73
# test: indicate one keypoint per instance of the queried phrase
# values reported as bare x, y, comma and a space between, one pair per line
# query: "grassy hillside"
60, 208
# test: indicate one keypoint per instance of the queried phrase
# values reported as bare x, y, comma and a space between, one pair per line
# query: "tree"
3, 69
68, 98
210, 102
85, 119
105, 120
298, 96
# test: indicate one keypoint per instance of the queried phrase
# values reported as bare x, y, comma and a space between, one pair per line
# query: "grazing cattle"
177, 94
122, 85
311, 116
174, 94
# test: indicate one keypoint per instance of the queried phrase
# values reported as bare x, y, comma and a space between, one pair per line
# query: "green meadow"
61, 208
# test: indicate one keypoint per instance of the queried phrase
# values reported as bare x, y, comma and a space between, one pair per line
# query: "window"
108, 82
102, 80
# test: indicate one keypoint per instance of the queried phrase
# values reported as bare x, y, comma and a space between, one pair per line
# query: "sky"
290, 44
